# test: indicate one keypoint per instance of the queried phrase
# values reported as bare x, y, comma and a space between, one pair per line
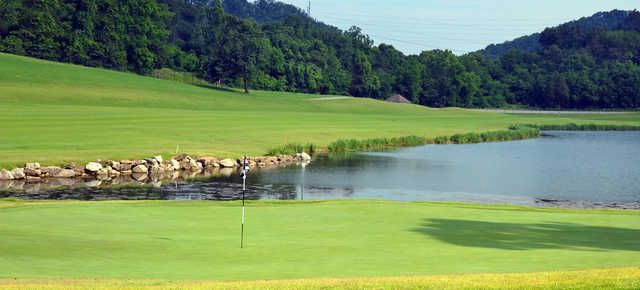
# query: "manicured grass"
52, 113
617, 278
317, 239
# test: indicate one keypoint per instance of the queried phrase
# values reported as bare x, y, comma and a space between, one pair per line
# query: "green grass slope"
284, 240
52, 113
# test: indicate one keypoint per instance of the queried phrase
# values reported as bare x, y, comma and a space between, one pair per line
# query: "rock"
305, 156
33, 166
114, 173
227, 163
179, 157
61, 173
151, 161
123, 166
126, 172
102, 172
78, 170
208, 161
114, 164
32, 172
189, 164
93, 167
140, 169
126, 162
6, 175
158, 158
159, 169
46, 171
173, 165
18, 173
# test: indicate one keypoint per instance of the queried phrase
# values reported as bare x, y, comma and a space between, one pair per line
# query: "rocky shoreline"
154, 169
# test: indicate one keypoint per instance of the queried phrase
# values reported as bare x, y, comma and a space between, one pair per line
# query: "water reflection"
602, 167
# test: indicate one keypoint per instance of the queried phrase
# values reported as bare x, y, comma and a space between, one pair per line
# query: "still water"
572, 166
591, 166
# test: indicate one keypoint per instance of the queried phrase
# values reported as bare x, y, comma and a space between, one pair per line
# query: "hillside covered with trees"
531, 43
577, 66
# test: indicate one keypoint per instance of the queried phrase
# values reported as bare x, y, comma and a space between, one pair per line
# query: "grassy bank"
54, 113
617, 278
583, 127
517, 132
289, 240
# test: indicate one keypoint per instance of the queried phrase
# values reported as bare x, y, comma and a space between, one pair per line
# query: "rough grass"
53, 113
617, 278
315, 239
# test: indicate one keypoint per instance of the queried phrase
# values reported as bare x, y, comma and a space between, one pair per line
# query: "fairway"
54, 113
340, 238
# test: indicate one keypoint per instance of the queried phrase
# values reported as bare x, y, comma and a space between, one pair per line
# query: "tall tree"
240, 46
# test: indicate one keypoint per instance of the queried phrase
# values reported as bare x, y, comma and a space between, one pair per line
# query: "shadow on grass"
510, 236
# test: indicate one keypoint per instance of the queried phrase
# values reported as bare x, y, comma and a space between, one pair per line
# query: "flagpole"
244, 172
242, 227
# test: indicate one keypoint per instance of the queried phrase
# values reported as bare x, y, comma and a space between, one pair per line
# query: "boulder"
158, 158
158, 169
33, 166
173, 165
208, 161
32, 172
114, 173
103, 172
47, 171
114, 164
227, 163
189, 164
140, 169
18, 173
79, 170
5, 175
62, 173
93, 167
179, 157
305, 156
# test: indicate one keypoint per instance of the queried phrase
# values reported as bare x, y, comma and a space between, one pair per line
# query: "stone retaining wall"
139, 169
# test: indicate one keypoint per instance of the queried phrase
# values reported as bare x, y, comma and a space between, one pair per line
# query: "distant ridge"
531, 43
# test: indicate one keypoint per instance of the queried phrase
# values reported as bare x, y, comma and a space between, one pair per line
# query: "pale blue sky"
459, 25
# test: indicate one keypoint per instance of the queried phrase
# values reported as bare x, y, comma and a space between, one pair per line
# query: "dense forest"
577, 65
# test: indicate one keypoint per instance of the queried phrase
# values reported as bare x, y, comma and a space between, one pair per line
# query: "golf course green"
284, 240
53, 113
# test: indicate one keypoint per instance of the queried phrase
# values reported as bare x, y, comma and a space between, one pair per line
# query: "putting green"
340, 238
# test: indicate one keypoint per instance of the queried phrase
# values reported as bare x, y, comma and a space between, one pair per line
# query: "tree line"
576, 67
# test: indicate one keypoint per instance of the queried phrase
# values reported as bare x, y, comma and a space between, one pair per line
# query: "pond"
582, 168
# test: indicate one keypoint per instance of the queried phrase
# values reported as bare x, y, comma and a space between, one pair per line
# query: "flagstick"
245, 171
242, 227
